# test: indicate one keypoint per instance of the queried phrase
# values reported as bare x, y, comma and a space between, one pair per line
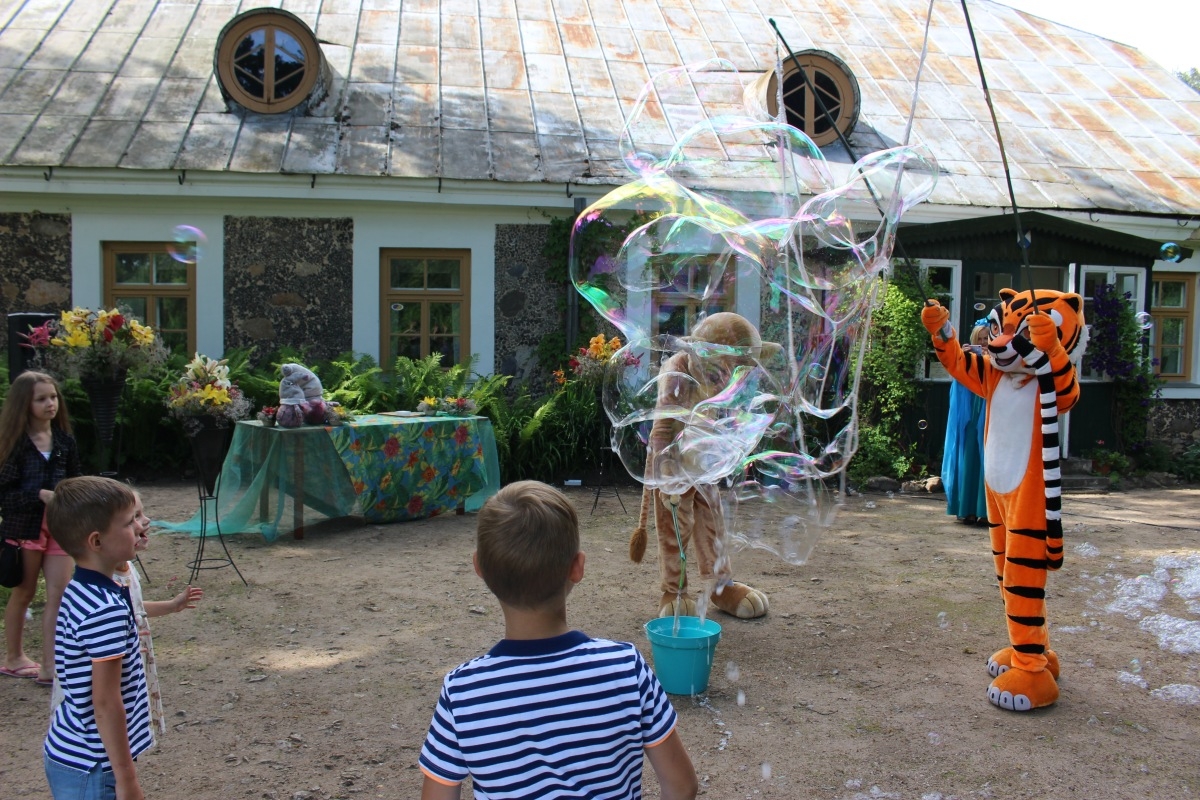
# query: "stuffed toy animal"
300, 399
687, 379
1027, 373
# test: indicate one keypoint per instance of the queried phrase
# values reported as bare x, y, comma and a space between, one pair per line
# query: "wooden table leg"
298, 484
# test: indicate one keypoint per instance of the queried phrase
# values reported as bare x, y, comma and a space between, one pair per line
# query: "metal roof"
538, 91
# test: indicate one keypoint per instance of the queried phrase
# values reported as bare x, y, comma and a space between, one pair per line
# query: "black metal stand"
209, 488
604, 483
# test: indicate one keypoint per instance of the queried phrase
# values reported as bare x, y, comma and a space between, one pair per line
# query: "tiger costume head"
1008, 334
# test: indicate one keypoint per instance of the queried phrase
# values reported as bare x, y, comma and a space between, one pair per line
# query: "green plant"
888, 387
1117, 349
1187, 465
1105, 460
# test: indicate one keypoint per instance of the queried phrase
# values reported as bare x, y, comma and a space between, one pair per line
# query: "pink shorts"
44, 543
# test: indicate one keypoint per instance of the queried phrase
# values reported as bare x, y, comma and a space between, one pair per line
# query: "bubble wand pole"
808, 85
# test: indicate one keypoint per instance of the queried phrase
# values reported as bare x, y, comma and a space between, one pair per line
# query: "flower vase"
104, 396
209, 446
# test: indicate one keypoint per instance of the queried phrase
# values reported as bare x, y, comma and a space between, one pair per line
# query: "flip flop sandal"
28, 671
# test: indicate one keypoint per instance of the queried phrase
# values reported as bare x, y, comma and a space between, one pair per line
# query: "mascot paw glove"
933, 317
1043, 332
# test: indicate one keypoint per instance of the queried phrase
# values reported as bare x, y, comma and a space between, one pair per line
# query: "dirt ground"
866, 680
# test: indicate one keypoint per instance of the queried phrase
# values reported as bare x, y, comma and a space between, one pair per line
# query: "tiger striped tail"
1051, 451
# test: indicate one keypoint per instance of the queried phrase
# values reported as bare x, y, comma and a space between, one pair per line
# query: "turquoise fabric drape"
383, 468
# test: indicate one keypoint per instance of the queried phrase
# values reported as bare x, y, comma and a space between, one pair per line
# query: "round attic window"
834, 86
268, 61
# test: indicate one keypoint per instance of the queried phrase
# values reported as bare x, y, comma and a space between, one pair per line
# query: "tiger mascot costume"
1027, 375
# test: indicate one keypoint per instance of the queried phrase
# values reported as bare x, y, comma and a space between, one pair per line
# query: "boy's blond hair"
82, 505
527, 537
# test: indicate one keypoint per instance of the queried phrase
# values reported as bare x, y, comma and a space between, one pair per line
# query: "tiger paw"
1019, 690
740, 600
1001, 662
670, 601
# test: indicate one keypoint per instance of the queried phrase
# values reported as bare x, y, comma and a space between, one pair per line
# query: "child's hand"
187, 598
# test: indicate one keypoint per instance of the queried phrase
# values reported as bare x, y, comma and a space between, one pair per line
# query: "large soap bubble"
742, 214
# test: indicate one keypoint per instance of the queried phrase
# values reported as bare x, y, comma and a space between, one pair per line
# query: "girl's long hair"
14, 417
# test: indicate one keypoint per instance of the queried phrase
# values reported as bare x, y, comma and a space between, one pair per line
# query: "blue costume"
962, 457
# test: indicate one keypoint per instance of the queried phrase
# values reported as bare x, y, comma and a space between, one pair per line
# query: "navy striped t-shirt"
95, 623
567, 717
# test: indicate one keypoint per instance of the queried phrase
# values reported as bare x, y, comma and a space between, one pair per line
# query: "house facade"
378, 175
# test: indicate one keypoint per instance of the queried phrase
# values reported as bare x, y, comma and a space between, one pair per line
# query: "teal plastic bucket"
683, 658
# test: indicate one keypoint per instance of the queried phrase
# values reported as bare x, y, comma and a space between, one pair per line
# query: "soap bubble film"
187, 244
798, 245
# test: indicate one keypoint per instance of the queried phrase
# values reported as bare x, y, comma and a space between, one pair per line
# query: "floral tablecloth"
386, 469
412, 468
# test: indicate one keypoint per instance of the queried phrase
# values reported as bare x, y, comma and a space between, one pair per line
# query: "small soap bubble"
741, 698
934, 738
766, 771
943, 623
732, 672
870, 504
187, 244
1170, 252
922, 424
1144, 320
1135, 666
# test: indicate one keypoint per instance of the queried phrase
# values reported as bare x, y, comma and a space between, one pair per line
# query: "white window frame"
930, 368
1111, 274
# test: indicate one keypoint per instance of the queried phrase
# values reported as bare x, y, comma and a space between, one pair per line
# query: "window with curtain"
425, 297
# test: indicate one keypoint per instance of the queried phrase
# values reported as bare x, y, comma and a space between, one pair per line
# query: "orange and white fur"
1028, 376
685, 382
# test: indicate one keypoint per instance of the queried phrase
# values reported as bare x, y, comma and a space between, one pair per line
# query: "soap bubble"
732, 672
766, 771
741, 698
1144, 320
759, 431
187, 244
1170, 252
922, 424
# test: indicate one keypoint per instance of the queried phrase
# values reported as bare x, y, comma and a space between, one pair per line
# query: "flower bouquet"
448, 406
267, 416
592, 360
96, 345
204, 391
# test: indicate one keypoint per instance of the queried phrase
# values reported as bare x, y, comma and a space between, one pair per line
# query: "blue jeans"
68, 783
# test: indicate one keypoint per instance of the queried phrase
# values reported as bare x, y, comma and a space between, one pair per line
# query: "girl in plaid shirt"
36, 452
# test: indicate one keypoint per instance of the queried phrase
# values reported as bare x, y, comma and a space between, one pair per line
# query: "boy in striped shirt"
103, 723
548, 712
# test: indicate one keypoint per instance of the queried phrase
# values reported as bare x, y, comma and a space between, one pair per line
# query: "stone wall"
35, 264
528, 306
288, 282
1176, 423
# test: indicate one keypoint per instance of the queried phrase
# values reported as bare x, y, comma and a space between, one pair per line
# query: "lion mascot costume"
687, 380
1028, 376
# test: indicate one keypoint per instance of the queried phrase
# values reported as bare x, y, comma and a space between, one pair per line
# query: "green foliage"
897, 343
879, 453
1191, 78
1117, 350
561, 436
1187, 466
